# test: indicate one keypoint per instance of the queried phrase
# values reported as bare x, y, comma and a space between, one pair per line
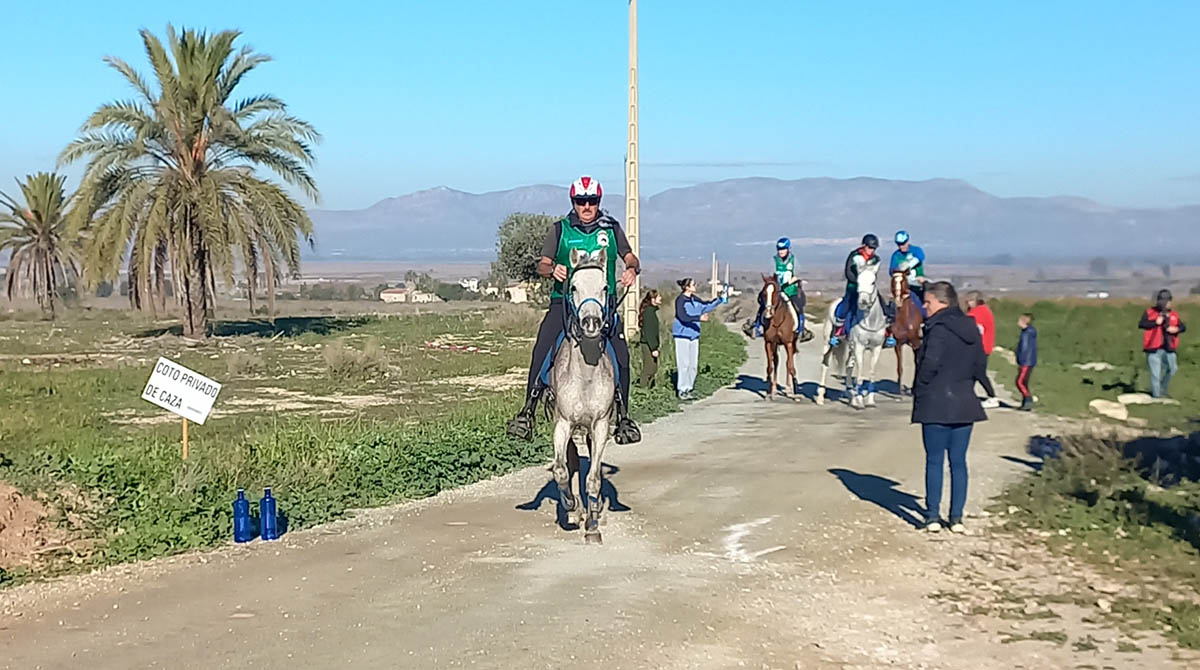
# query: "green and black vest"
570, 238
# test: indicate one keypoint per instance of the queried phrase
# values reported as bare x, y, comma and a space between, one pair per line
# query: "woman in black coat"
944, 401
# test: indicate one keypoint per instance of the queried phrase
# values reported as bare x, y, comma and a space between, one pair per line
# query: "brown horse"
780, 330
907, 328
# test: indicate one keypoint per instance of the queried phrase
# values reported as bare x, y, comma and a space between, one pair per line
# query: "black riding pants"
548, 332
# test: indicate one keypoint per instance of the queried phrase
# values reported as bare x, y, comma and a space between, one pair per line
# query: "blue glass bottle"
242, 530
266, 513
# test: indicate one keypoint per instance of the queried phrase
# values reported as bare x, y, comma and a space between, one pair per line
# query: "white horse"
863, 343
583, 384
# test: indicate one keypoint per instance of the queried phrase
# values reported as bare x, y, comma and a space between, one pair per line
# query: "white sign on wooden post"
180, 390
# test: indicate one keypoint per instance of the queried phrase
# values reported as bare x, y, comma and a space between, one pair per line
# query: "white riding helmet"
586, 187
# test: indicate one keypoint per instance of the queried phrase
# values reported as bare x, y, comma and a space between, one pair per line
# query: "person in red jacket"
977, 309
1162, 326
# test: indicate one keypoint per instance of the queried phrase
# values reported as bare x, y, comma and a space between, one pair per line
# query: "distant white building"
491, 291
517, 294
420, 297
394, 295
471, 284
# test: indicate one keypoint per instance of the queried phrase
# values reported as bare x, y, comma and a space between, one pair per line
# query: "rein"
571, 327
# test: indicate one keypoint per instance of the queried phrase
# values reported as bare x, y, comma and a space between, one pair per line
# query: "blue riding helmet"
901, 237
783, 243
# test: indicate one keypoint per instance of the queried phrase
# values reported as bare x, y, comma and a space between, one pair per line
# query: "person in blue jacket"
1026, 359
690, 311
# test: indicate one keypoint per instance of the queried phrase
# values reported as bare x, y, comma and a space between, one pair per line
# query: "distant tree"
518, 248
354, 292
44, 253
1098, 266
519, 244
176, 175
322, 292
378, 291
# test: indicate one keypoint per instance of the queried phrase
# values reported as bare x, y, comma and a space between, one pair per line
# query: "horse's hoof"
593, 537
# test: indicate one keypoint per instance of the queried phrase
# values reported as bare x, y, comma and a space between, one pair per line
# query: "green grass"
125, 494
1125, 527
1074, 331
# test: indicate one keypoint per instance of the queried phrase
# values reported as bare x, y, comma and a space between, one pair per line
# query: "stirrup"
521, 426
627, 432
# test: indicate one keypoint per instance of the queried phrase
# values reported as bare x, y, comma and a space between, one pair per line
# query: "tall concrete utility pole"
632, 218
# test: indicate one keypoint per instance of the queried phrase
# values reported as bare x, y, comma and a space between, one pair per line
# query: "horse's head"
899, 284
770, 295
589, 291
868, 292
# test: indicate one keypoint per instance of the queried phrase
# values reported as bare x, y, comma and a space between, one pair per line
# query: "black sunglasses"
590, 200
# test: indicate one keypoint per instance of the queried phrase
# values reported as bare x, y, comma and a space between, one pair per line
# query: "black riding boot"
625, 431
522, 425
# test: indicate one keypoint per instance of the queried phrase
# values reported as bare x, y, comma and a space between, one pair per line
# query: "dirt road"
750, 534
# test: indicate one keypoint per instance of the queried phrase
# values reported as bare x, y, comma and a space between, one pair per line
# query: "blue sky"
1098, 99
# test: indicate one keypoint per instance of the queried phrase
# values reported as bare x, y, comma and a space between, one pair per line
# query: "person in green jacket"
649, 344
785, 272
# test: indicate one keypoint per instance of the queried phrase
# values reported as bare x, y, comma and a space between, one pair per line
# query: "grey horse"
857, 354
582, 385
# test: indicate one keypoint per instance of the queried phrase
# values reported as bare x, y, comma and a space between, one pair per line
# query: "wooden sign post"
185, 423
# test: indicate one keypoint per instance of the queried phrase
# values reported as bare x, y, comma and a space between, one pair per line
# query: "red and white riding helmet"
586, 187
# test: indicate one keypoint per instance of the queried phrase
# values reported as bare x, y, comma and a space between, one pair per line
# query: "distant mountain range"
741, 218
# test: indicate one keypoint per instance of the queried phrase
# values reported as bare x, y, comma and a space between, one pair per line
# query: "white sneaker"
932, 527
991, 403
958, 528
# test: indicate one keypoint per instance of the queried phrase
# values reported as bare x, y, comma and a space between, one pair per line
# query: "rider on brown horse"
789, 282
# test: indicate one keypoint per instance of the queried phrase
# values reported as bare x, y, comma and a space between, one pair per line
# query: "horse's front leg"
819, 395
595, 480
561, 471
900, 366
853, 386
771, 353
791, 366
874, 353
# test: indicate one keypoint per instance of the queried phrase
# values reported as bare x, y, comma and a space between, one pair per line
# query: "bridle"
899, 286
609, 308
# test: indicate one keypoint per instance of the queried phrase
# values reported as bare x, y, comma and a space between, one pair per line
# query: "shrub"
243, 364
347, 364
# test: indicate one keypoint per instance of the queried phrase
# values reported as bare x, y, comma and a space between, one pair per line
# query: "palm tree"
172, 181
39, 239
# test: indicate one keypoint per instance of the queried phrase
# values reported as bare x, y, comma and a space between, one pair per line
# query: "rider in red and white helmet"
586, 187
586, 228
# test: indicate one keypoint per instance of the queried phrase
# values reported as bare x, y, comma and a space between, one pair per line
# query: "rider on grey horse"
847, 310
587, 228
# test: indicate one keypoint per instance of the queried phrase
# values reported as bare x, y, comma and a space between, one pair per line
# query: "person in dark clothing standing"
1027, 347
586, 228
1161, 341
648, 327
944, 401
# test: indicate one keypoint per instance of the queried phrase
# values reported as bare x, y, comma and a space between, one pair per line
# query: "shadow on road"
755, 385
1036, 466
608, 492
809, 390
883, 493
